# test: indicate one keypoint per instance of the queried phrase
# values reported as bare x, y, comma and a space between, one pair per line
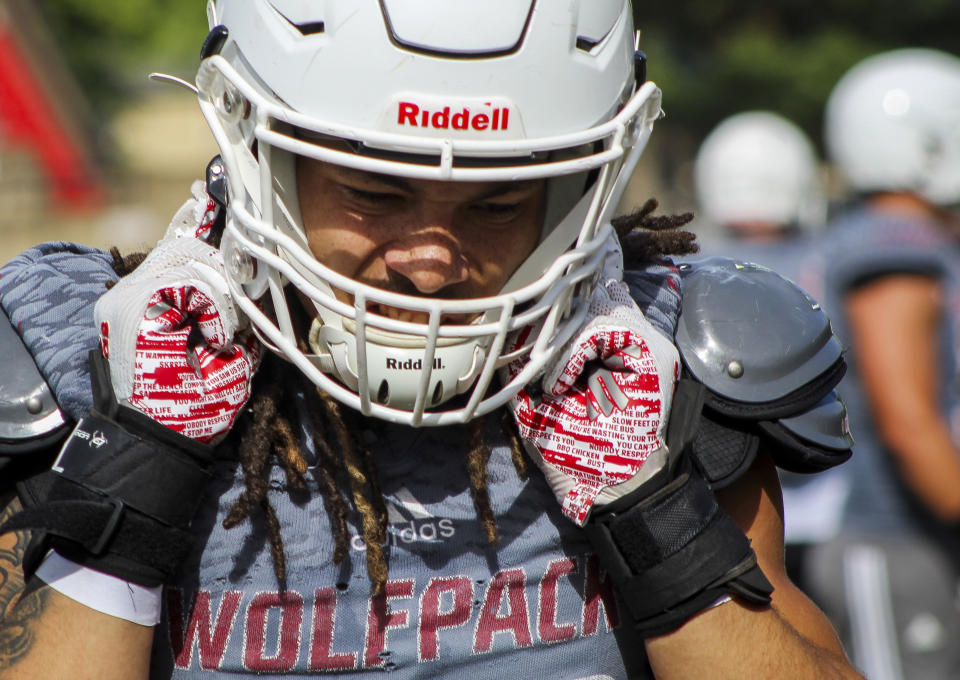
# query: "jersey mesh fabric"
537, 605
656, 290
534, 606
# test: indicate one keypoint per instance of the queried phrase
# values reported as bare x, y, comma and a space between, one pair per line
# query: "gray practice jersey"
862, 246
536, 605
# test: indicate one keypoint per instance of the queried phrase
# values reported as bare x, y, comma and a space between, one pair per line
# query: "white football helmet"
892, 123
759, 166
453, 90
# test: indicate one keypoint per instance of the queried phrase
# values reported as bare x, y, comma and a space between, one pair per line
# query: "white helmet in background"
892, 123
454, 90
757, 166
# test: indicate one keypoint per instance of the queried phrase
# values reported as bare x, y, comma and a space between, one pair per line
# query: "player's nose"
431, 259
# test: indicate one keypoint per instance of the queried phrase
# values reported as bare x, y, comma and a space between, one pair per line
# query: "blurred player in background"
892, 126
759, 192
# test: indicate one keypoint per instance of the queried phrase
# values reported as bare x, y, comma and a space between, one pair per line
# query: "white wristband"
104, 593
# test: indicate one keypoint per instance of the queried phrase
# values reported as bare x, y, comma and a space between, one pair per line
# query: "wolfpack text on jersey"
452, 604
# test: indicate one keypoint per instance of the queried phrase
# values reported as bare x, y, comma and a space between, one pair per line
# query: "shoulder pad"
811, 441
825, 425
814, 440
757, 341
29, 415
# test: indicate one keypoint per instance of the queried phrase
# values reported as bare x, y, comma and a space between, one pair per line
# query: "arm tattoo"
18, 610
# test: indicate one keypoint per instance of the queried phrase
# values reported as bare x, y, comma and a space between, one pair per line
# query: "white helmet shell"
450, 90
759, 166
892, 123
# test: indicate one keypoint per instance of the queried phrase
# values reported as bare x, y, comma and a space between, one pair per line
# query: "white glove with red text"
599, 433
599, 429
178, 349
174, 370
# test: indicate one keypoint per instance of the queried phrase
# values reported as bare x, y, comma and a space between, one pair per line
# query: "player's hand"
598, 430
178, 349
175, 371
599, 434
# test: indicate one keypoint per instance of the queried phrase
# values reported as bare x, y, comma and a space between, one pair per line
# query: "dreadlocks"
345, 467
646, 237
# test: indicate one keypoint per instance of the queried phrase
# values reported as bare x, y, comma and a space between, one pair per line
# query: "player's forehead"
319, 172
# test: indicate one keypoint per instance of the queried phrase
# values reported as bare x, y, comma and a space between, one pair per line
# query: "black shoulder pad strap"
30, 418
115, 495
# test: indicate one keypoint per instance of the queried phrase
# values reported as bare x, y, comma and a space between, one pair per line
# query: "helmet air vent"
586, 44
299, 19
437, 393
384, 392
454, 29
311, 28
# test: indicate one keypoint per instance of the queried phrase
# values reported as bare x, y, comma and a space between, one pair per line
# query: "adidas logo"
410, 522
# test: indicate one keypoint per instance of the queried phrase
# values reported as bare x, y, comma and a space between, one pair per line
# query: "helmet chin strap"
404, 380
326, 357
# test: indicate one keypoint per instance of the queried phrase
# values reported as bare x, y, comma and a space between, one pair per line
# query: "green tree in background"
714, 58
112, 45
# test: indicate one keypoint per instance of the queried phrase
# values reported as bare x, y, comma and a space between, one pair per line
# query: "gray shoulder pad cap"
813, 441
750, 335
28, 411
825, 424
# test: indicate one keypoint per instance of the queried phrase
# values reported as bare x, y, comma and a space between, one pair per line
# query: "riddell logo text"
412, 115
411, 364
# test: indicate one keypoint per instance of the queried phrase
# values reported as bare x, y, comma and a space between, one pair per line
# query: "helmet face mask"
436, 116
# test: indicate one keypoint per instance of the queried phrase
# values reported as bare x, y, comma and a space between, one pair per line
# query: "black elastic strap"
676, 552
122, 493
103, 534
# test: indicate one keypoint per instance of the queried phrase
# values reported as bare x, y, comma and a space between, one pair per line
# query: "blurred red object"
39, 111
